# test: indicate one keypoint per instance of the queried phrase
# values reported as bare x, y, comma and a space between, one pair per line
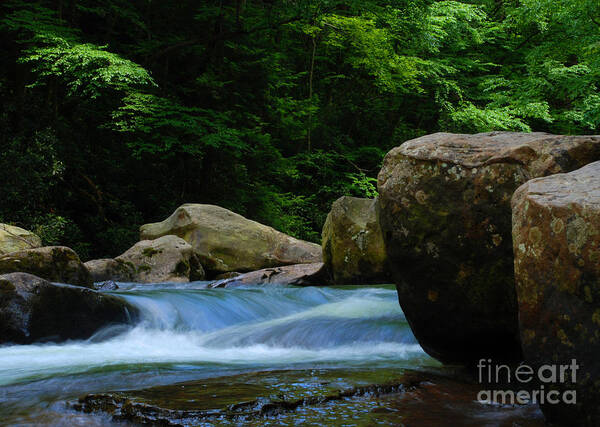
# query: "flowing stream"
188, 332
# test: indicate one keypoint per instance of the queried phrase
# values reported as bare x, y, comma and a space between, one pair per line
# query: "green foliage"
162, 127
55, 230
114, 112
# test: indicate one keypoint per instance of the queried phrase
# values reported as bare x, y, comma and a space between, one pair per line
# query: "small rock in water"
108, 285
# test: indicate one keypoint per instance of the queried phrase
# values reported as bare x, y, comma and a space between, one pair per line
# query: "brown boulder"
446, 220
53, 263
291, 275
226, 241
353, 248
556, 238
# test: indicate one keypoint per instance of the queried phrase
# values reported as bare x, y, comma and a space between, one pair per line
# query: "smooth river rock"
33, 309
293, 275
53, 263
107, 269
166, 259
445, 215
556, 237
13, 239
353, 248
226, 241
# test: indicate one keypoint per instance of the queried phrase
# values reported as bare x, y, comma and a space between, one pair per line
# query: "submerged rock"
353, 248
556, 237
13, 239
226, 241
33, 309
166, 259
313, 397
292, 275
108, 285
53, 263
446, 220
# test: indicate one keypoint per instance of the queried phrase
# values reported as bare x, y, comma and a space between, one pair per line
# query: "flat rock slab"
445, 215
291, 275
313, 397
556, 237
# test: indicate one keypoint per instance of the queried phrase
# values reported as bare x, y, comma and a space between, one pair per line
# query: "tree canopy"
114, 112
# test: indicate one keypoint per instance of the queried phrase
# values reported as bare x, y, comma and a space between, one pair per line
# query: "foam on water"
254, 327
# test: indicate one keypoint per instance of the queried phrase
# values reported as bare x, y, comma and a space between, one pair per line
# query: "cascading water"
190, 332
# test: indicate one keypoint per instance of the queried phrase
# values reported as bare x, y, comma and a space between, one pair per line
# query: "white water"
189, 332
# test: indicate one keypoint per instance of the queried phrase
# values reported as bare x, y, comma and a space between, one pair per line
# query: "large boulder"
445, 215
290, 275
226, 241
33, 309
556, 238
14, 239
166, 259
110, 269
353, 248
54, 263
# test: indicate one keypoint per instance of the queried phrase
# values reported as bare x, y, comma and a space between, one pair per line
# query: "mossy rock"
53, 263
353, 248
445, 216
556, 238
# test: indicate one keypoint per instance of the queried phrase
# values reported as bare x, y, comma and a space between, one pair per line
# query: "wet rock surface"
353, 248
226, 241
556, 234
293, 275
312, 397
33, 309
445, 215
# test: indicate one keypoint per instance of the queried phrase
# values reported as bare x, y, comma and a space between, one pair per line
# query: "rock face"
446, 220
33, 309
166, 259
353, 248
53, 263
556, 235
110, 269
226, 241
13, 239
295, 275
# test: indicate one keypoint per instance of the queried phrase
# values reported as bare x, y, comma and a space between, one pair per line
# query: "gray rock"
53, 263
353, 248
292, 275
33, 309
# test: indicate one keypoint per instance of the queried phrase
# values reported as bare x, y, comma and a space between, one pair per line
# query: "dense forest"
114, 112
